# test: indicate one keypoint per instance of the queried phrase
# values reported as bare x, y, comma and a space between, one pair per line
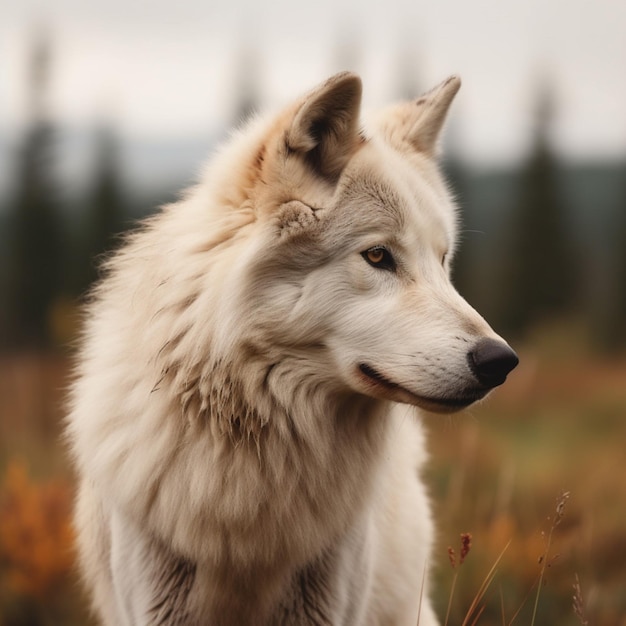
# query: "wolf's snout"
491, 360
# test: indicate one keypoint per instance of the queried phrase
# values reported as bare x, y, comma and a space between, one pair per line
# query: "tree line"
537, 270
547, 267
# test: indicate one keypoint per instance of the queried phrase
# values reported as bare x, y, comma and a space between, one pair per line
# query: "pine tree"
620, 276
105, 205
36, 229
540, 277
247, 91
406, 72
609, 323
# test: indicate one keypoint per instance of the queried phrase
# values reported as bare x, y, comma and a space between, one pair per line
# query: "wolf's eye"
379, 257
443, 258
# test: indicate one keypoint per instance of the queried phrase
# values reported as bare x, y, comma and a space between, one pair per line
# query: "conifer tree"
620, 276
609, 324
35, 224
105, 205
247, 81
540, 277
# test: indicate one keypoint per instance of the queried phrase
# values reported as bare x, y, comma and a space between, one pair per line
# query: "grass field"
497, 472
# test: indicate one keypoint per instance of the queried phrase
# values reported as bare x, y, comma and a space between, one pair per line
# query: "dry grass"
37, 579
558, 424
579, 604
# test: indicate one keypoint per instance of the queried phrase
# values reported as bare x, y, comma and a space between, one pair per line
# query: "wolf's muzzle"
491, 361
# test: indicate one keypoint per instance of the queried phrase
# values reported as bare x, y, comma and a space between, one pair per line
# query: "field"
499, 472
557, 427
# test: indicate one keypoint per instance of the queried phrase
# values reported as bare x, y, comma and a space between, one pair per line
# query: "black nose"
491, 360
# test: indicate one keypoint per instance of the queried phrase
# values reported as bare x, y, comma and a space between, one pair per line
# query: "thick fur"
239, 418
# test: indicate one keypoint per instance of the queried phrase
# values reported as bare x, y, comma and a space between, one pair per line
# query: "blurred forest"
542, 257
543, 241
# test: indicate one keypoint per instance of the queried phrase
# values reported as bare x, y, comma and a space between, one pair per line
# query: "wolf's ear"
419, 123
434, 109
325, 129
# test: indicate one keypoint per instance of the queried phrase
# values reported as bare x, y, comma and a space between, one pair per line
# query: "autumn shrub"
36, 536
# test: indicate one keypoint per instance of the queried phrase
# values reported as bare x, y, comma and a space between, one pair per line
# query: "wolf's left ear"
419, 123
325, 129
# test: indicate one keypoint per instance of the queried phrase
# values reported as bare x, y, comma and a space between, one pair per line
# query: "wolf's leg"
151, 585
94, 548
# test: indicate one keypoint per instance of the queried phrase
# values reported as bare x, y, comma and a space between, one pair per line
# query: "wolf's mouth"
437, 405
370, 372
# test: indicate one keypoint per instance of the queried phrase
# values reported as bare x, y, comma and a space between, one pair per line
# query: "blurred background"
109, 109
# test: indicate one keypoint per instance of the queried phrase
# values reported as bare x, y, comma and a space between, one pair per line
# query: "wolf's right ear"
418, 124
325, 129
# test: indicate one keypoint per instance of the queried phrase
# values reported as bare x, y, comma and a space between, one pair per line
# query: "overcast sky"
169, 69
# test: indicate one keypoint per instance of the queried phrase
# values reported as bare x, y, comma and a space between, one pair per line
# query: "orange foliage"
524, 550
36, 535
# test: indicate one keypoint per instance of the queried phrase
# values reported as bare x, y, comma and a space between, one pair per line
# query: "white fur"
236, 464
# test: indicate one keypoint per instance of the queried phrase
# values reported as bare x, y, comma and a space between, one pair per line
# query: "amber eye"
379, 257
375, 255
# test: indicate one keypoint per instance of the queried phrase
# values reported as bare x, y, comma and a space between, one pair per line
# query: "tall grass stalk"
419, 606
466, 546
579, 605
502, 606
556, 520
483, 589
456, 575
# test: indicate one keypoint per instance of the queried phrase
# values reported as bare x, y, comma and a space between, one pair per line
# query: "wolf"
245, 416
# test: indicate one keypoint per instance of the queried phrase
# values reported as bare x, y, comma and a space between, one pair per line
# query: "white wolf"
242, 455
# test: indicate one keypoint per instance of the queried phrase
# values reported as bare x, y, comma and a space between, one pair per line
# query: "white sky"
165, 68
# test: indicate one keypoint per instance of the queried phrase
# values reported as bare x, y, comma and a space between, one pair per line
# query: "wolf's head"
346, 279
